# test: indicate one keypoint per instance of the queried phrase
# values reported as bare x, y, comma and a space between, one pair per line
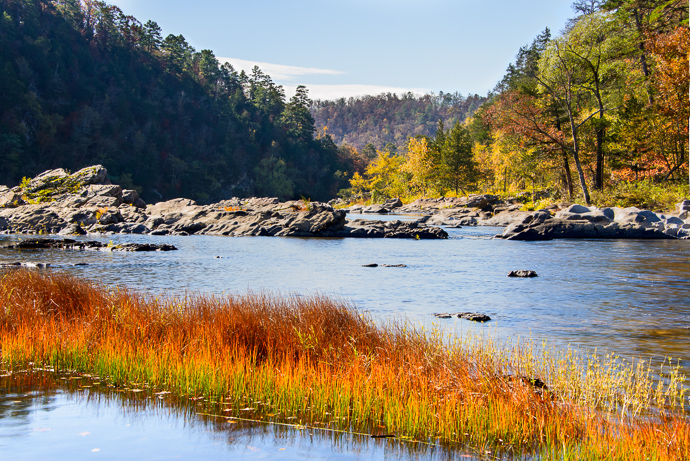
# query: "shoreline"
86, 203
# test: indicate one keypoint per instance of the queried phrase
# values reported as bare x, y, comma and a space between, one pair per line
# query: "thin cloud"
289, 77
278, 72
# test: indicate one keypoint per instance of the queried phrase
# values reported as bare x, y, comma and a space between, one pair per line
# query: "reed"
316, 359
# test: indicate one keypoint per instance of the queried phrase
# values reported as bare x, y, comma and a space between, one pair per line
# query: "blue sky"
343, 48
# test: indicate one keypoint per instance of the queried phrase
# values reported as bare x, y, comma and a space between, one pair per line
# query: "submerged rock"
20, 264
69, 244
522, 273
473, 316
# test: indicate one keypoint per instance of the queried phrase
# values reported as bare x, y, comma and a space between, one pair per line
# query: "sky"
344, 48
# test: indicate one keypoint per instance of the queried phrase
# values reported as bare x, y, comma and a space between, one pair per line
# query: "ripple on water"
630, 296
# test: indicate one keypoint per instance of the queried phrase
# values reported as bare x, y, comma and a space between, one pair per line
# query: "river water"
627, 296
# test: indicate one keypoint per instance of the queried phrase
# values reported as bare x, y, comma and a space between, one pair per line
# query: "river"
627, 296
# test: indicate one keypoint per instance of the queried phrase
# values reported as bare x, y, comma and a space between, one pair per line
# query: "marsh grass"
311, 359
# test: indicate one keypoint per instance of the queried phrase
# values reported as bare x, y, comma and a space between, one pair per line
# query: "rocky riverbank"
86, 202
556, 222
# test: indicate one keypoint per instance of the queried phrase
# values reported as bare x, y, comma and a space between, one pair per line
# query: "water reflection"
48, 419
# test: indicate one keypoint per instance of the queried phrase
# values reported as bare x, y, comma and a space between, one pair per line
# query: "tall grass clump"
313, 359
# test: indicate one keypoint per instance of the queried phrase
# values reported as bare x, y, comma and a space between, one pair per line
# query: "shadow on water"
49, 416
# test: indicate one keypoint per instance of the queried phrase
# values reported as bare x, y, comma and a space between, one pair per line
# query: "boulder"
375, 209
129, 196
39, 218
364, 228
480, 201
522, 273
577, 209
10, 199
72, 229
392, 203
506, 218
474, 316
556, 228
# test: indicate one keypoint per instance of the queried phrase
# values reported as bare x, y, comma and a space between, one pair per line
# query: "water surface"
629, 296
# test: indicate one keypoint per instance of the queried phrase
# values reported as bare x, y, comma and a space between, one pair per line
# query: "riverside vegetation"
314, 360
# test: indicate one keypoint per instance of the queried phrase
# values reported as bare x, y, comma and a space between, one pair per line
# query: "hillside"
83, 83
390, 118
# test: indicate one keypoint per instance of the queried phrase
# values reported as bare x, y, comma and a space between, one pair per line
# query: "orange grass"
317, 359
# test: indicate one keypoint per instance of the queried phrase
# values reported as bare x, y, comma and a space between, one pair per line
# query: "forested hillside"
598, 113
83, 83
390, 118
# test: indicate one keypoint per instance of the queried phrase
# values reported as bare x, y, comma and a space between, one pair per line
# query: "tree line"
387, 121
82, 83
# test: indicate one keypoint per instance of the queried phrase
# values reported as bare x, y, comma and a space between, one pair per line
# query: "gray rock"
674, 220
375, 209
474, 316
129, 196
103, 190
577, 209
506, 218
522, 273
370, 265
480, 201
392, 203
560, 228
104, 202
11, 199
72, 229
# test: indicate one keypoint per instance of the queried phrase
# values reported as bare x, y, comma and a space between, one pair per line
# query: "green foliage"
431, 167
82, 83
644, 194
457, 169
271, 179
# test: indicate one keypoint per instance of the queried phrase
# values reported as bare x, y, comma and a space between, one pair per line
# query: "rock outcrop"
70, 244
579, 221
85, 202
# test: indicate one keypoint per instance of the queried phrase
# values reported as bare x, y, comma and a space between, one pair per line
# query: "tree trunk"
643, 55
576, 156
599, 174
568, 174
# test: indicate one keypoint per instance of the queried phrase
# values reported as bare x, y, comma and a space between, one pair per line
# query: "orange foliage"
521, 115
670, 53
